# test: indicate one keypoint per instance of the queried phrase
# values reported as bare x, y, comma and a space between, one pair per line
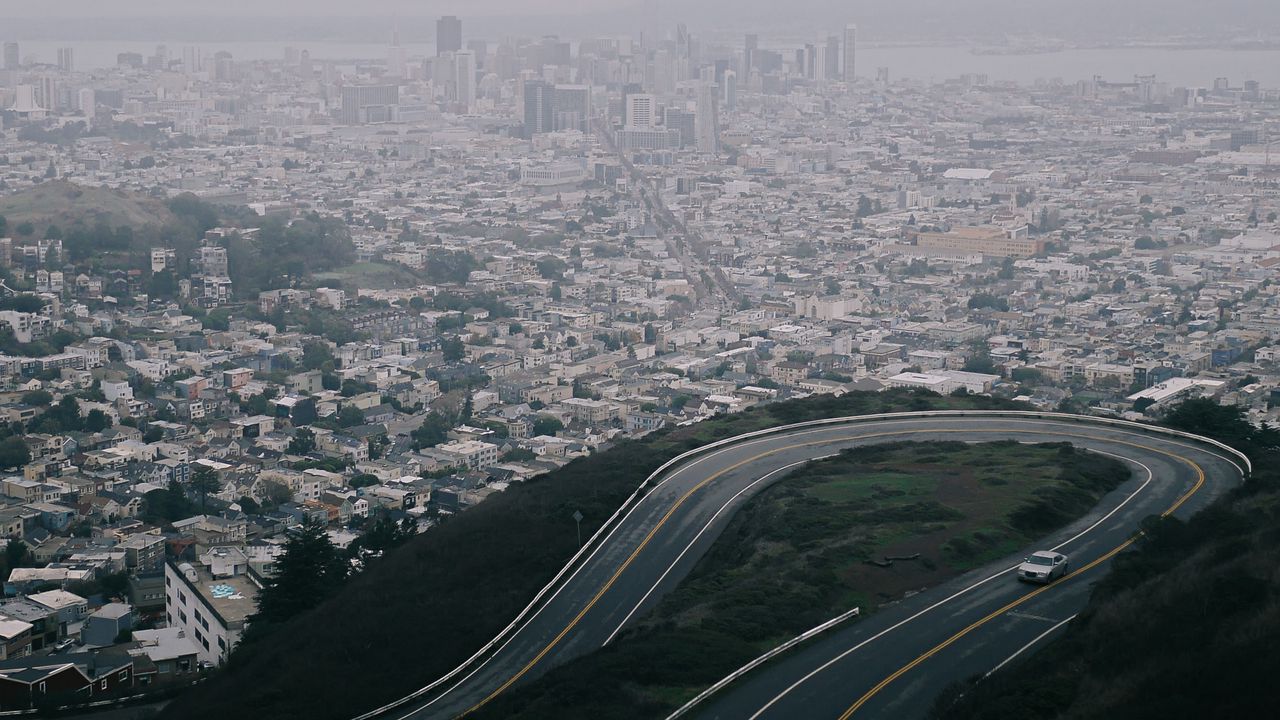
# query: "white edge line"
768, 432
1026, 647
697, 537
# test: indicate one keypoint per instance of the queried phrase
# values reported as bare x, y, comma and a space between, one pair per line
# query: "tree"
350, 416
302, 442
433, 431
38, 398
453, 350
248, 505
14, 452
364, 480
16, 555
309, 571
96, 421
275, 493
547, 425
865, 208
316, 355
204, 480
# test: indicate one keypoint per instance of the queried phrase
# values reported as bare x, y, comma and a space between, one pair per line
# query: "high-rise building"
730, 90
464, 67
831, 57
682, 120
641, 110
191, 60
397, 57
707, 126
571, 107
749, 52
11, 59
369, 103
448, 34
65, 59
850, 51
86, 101
47, 93
539, 107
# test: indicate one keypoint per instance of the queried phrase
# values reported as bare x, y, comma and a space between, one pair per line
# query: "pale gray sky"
414, 8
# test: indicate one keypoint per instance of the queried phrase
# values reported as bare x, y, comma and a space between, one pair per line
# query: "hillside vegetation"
432, 602
1182, 627
813, 546
66, 204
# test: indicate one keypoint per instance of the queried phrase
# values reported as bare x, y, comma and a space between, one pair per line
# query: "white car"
1043, 566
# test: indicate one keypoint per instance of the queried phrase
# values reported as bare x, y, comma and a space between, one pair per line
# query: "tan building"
987, 239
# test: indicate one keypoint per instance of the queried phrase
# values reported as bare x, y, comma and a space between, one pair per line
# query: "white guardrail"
733, 676
605, 528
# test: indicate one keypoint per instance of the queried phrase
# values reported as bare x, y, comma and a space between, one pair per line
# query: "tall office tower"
65, 59
86, 101
810, 66
47, 93
850, 51
571, 107
707, 124
191, 60
481, 50
448, 34
539, 107
369, 103
680, 119
397, 58
11, 59
641, 110
749, 52
832, 57
224, 67
464, 68
730, 90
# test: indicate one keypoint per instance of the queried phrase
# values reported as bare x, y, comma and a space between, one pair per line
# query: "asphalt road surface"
890, 664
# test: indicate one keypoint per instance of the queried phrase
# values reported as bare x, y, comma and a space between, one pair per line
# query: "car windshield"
1039, 560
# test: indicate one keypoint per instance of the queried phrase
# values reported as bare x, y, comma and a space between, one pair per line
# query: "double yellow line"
715, 476
1110, 554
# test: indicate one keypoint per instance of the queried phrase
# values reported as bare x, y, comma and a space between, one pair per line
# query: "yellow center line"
949, 641
711, 478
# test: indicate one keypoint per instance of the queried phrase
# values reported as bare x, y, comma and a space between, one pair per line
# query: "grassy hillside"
432, 602
1182, 627
65, 204
802, 552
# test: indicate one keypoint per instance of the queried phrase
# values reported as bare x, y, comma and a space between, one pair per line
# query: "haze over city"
639, 359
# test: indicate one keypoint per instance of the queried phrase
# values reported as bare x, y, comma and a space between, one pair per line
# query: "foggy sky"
112, 19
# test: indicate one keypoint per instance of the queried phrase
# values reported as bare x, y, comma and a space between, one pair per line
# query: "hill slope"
65, 204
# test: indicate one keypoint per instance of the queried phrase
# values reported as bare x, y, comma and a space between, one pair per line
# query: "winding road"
891, 663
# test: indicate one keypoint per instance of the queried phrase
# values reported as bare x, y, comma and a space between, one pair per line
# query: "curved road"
890, 664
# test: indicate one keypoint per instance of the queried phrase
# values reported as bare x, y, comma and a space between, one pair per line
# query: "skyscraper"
749, 52
832, 57
464, 65
641, 110
707, 124
448, 34
65, 59
850, 51
11, 59
397, 57
539, 98
730, 90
